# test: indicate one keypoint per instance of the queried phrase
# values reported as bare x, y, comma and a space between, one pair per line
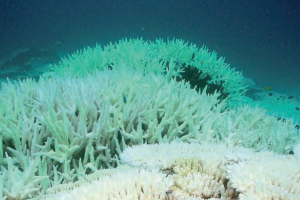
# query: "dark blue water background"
259, 37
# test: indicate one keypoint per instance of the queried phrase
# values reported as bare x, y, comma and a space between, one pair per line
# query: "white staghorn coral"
77, 126
252, 128
63, 127
177, 56
17, 184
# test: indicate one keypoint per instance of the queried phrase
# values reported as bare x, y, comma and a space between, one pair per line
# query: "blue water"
259, 37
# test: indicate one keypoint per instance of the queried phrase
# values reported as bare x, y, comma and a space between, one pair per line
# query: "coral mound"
219, 172
184, 61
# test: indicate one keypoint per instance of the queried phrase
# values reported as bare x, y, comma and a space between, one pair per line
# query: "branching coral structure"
200, 67
76, 126
101, 102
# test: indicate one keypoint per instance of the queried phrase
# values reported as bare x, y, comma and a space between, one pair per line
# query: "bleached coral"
76, 126
175, 55
136, 93
268, 177
193, 178
164, 155
252, 127
130, 184
217, 171
20, 184
194, 172
197, 170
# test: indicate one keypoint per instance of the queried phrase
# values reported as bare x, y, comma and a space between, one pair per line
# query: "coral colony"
161, 120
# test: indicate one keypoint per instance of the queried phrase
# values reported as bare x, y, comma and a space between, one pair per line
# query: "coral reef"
62, 129
180, 171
